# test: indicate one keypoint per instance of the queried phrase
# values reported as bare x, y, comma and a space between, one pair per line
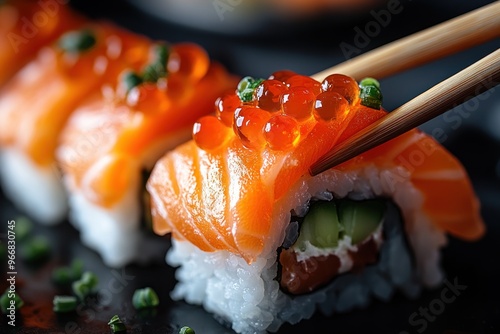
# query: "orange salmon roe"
302, 80
281, 132
209, 132
225, 107
298, 102
329, 105
282, 75
342, 84
283, 109
188, 60
146, 97
268, 95
248, 125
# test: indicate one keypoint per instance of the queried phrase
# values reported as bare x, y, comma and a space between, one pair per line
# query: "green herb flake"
35, 249
67, 275
162, 54
9, 301
116, 324
369, 82
370, 93
186, 330
24, 226
77, 41
246, 88
131, 79
153, 72
157, 69
63, 304
86, 285
144, 298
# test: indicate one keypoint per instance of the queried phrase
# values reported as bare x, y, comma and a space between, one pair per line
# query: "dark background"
305, 45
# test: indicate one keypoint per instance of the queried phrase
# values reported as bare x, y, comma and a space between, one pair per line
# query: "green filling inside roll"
329, 221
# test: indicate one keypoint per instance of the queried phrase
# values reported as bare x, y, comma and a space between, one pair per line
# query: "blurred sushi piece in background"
37, 101
109, 146
26, 26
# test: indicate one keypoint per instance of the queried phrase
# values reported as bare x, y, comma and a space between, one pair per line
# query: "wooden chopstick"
460, 33
455, 90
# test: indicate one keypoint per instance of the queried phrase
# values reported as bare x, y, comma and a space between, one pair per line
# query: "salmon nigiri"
26, 26
108, 144
36, 103
260, 242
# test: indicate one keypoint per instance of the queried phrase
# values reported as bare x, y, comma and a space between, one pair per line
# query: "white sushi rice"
112, 232
249, 297
115, 232
36, 190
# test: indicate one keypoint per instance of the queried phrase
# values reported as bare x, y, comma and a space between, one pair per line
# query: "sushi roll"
26, 26
109, 146
36, 103
259, 242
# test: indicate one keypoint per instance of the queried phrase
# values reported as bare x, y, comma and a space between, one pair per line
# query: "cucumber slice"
320, 226
360, 218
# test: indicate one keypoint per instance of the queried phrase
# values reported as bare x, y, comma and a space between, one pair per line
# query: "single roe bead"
248, 125
282, 75
305, 81
148, 98
281, 132
298, 102
209, 132
225, 107
268, 95
342, 84
329, 105
188, 60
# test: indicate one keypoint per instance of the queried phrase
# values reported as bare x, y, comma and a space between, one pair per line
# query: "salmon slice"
26, 26
56, 82
133, 129
250, 181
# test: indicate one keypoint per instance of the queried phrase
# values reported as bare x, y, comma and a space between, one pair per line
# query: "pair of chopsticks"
441, 40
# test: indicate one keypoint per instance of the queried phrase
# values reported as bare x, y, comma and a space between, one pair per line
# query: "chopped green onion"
85, 285
162, 54
186, 330
10, 301
116, 324
24, 226
67, 275
131, 80
77, 41
153, 72
158, 68
63, 304
370, 93
246, 88
369, 82
144, 298
35, 249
